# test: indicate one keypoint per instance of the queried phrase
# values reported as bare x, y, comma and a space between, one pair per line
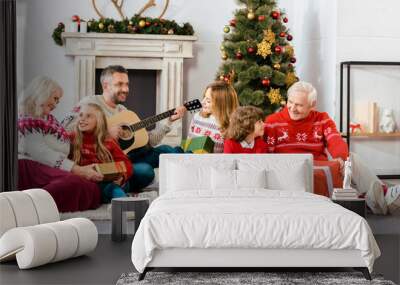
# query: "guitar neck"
152, 120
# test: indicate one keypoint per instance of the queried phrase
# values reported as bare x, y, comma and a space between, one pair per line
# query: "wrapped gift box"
111, 170
202, 144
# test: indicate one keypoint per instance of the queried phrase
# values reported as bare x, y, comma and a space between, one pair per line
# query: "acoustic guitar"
133, 132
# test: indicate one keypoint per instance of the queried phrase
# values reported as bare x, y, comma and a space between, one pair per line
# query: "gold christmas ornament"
142, 23
264, 48
111, 29
227, 29
224, 56
221, 77
269, 36
289, 50
130, 23
101, 26
274, 96
170, 31
290, 79
222, 48
277, 66
251, 15
283, 103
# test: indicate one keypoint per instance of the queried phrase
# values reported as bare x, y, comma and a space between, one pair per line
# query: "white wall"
368, 30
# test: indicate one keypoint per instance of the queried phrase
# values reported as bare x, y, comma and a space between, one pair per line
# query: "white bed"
234, 219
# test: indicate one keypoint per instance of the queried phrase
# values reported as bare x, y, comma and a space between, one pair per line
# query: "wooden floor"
111, 259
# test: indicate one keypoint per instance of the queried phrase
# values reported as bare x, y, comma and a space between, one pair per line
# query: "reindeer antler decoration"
119, 7
149, 4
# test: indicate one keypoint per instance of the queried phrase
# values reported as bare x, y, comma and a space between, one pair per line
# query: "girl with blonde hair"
245, 131
43, 148
219, 102
93, 144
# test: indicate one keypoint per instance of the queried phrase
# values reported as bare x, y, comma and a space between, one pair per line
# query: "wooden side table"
118, 215
357, 205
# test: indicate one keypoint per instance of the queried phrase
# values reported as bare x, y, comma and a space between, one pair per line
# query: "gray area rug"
232, 278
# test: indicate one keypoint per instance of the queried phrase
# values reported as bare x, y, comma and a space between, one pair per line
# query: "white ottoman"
31, 232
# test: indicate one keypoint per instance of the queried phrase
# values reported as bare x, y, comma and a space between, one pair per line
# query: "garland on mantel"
135, 25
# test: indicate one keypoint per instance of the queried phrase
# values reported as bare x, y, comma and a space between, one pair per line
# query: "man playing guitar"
115, 83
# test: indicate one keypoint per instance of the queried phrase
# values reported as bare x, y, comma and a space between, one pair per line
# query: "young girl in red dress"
245, 131
92, 144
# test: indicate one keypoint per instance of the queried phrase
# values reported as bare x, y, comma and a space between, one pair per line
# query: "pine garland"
135, 25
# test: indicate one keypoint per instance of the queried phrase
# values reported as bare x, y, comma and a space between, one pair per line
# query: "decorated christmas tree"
258, 58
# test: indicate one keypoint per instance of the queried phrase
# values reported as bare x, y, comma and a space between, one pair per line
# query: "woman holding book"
93, 144
43, 147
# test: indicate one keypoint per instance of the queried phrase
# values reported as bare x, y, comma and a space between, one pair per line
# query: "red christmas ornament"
285, 20
265, 82
155, 24
75, 18
261, 18
289, 37
226, 79
293, 60
232, 23
275, 15
282, 34
290, 65
239, 55
278, 49
251, 50
148, 24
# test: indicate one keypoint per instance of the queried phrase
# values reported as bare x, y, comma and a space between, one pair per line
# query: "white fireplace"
164, 53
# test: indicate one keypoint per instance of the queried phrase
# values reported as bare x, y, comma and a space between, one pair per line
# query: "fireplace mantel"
164, 53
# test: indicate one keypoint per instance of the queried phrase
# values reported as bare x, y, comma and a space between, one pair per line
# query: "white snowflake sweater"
200, 126
44, 140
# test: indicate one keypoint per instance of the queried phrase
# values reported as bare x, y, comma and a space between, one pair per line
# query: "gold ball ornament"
251, 15
101, 26
171, 32
130, 23
222, 48
221, 77
283, 103
277, 66
227, 29
224, 56
142, 23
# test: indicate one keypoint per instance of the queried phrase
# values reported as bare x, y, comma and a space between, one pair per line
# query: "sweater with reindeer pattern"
314, 134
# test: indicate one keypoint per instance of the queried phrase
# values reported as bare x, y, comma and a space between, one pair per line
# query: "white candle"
83, 27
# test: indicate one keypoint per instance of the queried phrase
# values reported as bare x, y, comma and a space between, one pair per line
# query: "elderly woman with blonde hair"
43, 148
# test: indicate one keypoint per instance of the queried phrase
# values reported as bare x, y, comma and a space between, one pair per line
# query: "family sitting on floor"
60, 157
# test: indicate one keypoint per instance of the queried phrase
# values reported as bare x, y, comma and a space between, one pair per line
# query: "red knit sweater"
89, 156
232, 146
309, 135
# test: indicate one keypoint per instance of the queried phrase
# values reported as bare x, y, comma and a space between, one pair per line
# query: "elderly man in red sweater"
299, 128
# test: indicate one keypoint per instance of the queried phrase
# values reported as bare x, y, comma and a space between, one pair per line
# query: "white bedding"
252, 218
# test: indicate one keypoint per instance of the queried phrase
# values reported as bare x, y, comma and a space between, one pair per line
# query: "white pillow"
184, 175
280, 174
223, 179
251, 178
